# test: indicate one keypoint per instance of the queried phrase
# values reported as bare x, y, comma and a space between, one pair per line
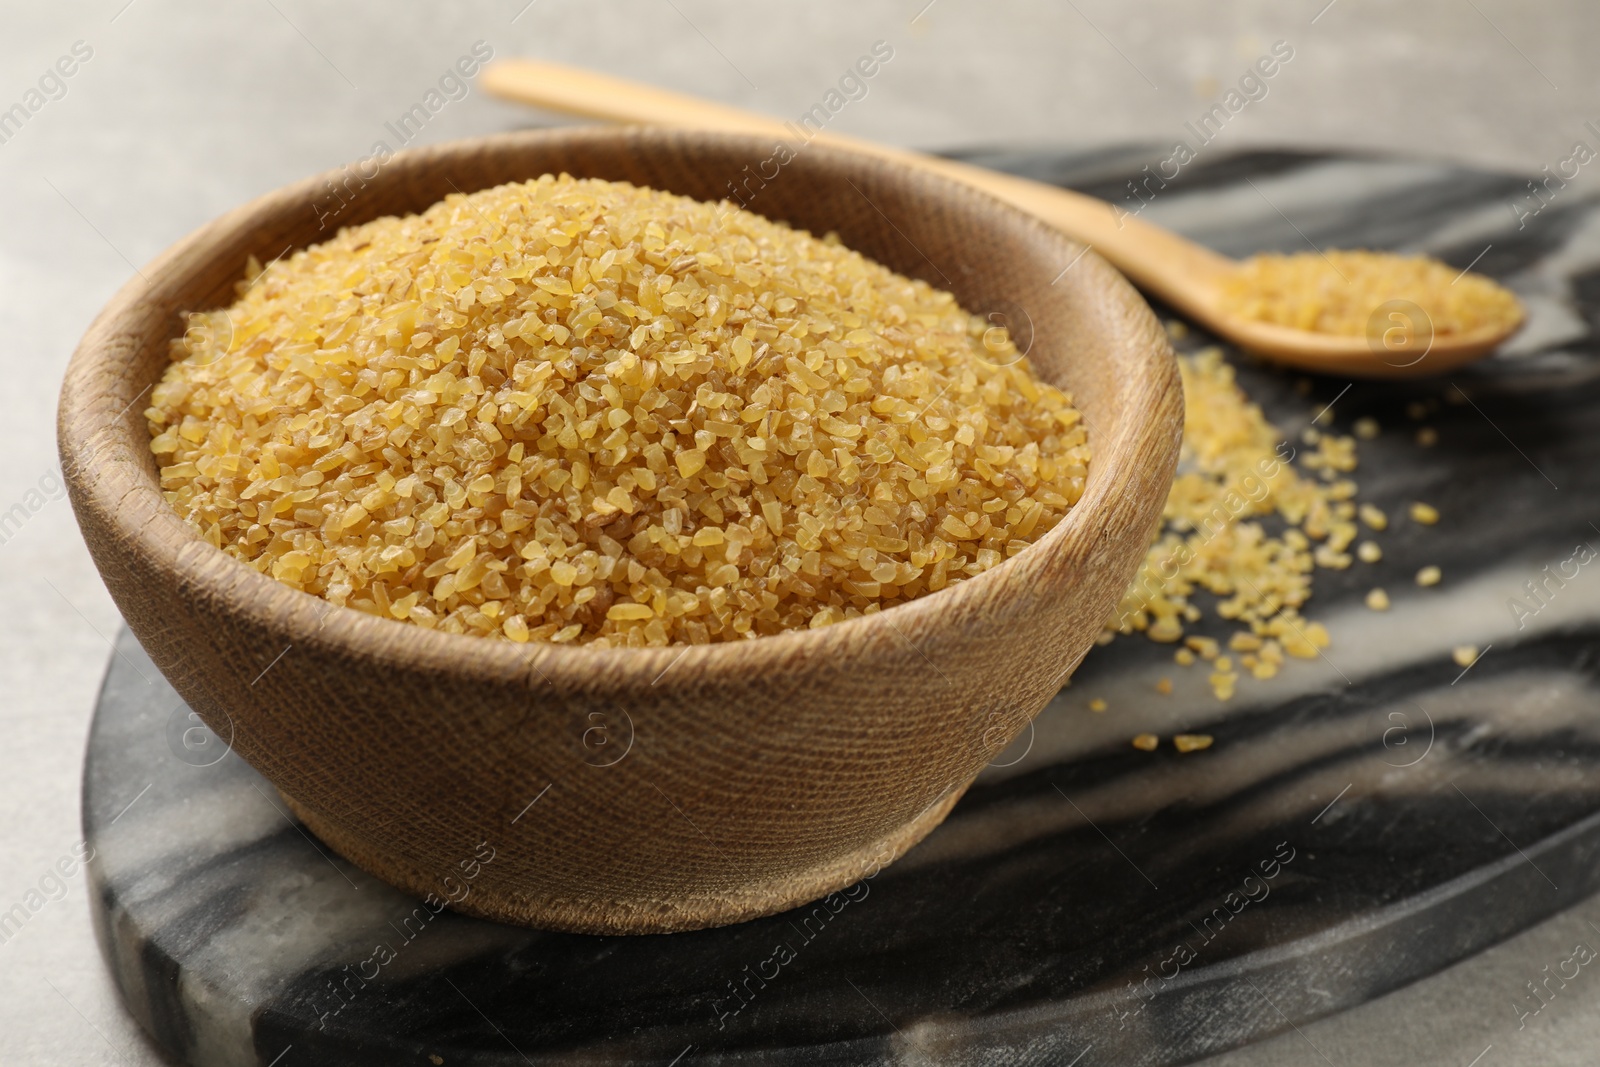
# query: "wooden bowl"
633, 790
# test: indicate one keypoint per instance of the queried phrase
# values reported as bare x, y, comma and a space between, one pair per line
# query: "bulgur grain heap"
581, 411
1236, 470
1337, 292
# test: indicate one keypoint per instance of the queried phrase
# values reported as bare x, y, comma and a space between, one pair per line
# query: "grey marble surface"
183, 111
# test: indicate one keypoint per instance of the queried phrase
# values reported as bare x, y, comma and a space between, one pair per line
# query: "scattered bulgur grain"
1329, 559
1427, 437
1097, 705
1378, 600
1236, 473
1304, 642
1464, 655
1429, 575
1165, 629
1337, 292
1192, 742
1425, 514
583, 411
1146, 742
1366, 428
1164, 687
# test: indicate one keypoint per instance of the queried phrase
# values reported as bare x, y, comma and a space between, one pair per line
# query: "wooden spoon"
1180, 273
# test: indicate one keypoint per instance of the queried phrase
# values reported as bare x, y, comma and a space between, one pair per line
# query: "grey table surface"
182, 111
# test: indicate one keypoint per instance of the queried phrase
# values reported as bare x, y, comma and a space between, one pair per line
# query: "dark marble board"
1361, 821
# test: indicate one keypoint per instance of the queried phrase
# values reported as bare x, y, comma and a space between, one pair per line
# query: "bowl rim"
88, 434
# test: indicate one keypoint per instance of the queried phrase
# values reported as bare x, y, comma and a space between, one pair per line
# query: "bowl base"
600, 915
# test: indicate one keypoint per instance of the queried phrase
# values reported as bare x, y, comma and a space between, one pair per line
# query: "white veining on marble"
1422, 624
1523, 703
1546, 289
1311, 190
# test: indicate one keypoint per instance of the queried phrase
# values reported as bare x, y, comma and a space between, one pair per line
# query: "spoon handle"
1179, 272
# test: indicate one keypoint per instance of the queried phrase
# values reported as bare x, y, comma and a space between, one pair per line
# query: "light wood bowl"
675, 788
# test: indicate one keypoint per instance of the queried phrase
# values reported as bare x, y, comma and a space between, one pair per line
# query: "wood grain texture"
758, 774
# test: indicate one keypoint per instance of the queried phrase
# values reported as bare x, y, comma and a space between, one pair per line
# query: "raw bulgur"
1424, 514
1337, 292
584, 411
1235, 472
